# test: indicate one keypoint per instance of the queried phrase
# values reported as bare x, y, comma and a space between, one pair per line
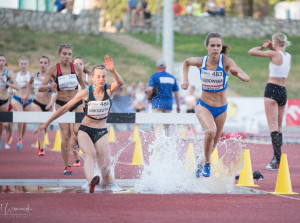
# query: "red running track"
78, 207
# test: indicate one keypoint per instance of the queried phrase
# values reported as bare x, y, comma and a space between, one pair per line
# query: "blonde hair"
281, 39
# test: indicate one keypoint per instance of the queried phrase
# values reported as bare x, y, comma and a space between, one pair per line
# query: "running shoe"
7, 146
93, 183
206, 170
273, 165
68, 171
19, 146
41, 152
76, 163
199, 169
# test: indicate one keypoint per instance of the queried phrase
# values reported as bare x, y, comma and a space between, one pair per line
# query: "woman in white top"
7, 80
43, 101
78, 60
21, 101
138, 98
275, 92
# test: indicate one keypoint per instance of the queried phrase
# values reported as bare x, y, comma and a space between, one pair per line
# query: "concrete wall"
227, 26
85, 23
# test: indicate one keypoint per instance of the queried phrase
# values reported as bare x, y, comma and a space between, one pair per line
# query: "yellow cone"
246, 175
37, 144
80, 151
135, 133
190, 163
111, 134
138, 158
46, 140
215, 156
57, 142
182, 132
283, 184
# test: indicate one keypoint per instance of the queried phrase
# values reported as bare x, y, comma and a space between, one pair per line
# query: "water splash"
167, 173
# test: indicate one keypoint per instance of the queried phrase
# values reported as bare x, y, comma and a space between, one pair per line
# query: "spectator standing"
189, 8
177, 8
144, 13
160, 91
132, 8
139, 97
210, 7
118, 25
196, 8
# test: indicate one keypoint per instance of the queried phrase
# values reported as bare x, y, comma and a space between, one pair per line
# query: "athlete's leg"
40, 134
17, 106
88, 149
65, 141
208, 123
271, 108
220, 121
104, 159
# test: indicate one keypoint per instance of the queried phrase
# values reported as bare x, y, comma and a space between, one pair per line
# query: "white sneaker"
7, 146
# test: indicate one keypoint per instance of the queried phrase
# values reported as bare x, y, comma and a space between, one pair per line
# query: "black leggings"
276, 92
94, 134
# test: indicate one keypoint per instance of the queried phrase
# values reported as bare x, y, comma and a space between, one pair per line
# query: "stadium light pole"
168, 35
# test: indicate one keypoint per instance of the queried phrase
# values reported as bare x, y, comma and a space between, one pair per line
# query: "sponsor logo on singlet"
212, 80
98, 109
68, 82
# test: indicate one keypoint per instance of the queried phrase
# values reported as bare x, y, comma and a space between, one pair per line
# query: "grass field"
257, 68
134, 67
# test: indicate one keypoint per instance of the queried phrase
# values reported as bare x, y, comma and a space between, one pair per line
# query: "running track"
103, 207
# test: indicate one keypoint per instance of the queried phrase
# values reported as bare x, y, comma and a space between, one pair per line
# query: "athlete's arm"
192, 61
80, 76
53, 99
231, 66
50, 74
109, 65
149, 93
257, 51
176, 93
28, 89
12, 83
62, 110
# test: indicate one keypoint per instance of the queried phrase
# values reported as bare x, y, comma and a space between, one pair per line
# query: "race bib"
212, 80
67, 82
98, 109
37, 83
2, 84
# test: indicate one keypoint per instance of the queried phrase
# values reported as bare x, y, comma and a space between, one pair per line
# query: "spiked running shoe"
68, 171
41, 152
93, 183
7, 146
76, 163
199, 170
273, 165
206, 170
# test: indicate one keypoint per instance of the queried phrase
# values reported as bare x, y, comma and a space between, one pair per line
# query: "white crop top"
23, 80
283, 69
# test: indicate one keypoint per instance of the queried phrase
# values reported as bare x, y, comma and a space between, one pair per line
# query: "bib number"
212, 80
67, 82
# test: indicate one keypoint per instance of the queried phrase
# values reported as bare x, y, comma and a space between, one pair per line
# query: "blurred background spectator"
189, 8
196, 8
177, 8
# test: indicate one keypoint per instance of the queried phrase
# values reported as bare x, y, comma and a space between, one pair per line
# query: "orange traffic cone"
283, 184
246, 175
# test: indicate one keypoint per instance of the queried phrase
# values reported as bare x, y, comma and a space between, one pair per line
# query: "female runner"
92, 134
211, 108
